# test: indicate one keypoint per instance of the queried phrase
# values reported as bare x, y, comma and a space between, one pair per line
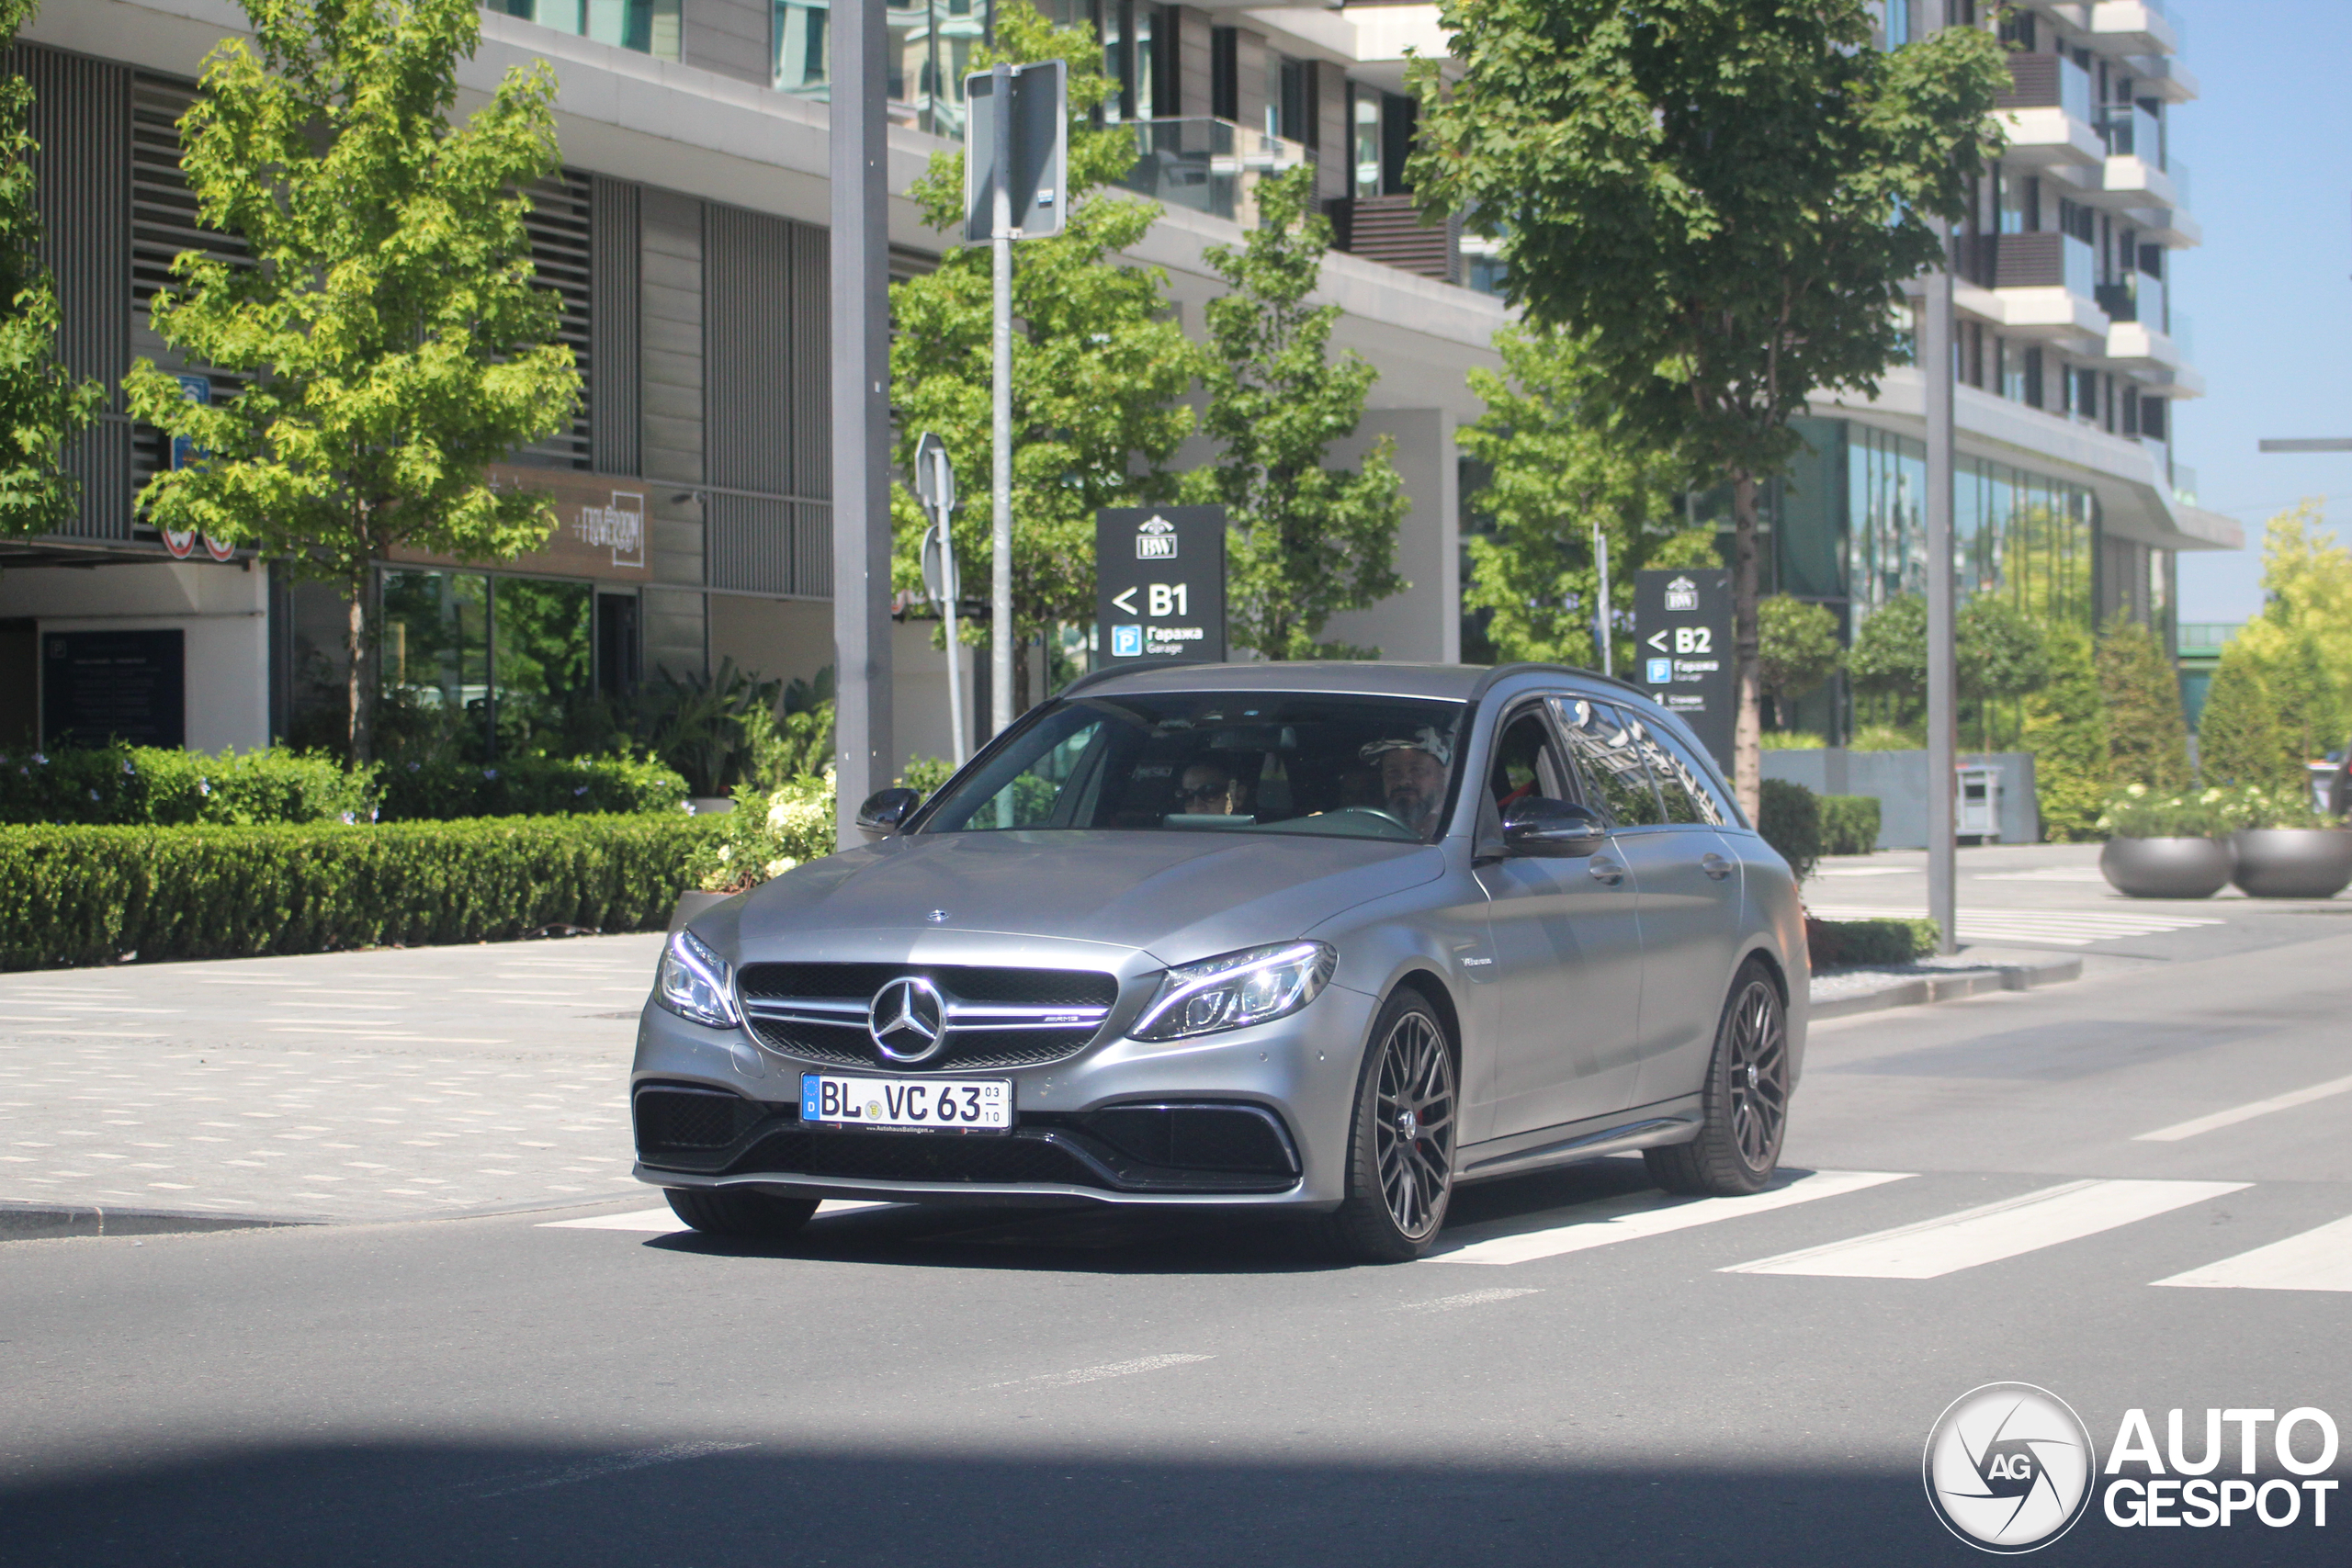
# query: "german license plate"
962, 1105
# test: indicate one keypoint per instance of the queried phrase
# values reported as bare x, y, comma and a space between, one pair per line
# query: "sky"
2268, 143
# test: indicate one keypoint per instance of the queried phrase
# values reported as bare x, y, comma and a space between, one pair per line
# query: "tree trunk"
1747, 727
360, 645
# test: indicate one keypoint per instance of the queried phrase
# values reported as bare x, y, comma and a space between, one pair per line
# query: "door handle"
1715, 865
1605, 870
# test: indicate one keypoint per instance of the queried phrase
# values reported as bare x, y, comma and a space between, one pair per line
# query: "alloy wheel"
1758, 1070
1413, 1128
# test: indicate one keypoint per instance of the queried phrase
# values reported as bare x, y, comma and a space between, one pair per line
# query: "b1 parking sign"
1682, 624
1159, 584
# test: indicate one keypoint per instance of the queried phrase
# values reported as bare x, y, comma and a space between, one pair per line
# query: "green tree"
1559, 468
2238, 738
1723, 197
2147, 736
1999, 654
1306, 541
1796, 648
2309, 703
393, 341
2065, 728
2307, 591
1889, 659
1098, 360
41, 407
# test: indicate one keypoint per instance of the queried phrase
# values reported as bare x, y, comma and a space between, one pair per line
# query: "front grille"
916, 1157
817, 1011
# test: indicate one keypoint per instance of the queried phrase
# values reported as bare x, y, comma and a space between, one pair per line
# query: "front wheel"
1746, 1099
1400, 1150
731, 1211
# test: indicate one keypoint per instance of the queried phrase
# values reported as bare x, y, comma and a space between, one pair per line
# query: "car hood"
1178, 896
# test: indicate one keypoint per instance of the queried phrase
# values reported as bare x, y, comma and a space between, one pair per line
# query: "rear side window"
1684, 783
1608, 755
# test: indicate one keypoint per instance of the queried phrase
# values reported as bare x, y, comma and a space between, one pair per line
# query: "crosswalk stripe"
2066, 928
1643, 1215
2316, 1260
2247, 1112
1992, 1232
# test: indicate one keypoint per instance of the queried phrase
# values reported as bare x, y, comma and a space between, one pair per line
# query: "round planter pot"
710, 805
2166, 868
691, 904
2294, 862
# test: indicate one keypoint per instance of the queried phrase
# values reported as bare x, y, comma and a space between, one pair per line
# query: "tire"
734, 1211
1398, 1188
1746, 1099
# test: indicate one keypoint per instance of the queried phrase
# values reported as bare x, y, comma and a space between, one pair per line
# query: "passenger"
1209, 788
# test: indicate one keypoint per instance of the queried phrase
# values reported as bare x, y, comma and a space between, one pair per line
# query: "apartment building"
687, 234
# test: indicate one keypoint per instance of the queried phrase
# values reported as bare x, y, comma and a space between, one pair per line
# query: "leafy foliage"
2147, 734
1840, 944
2065, 728
41, 406
2303, 636
1849, 824
1722, 197
448, 788
1790, 820
392, 340
767, 835
1889, 659
2239, 740
78, 896
1999, 656
153, 786
2136, 811
1796, 648
1561, 466
1306, 541
703, 725
1098, 360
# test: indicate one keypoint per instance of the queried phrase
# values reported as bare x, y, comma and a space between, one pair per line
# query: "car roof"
1459, 683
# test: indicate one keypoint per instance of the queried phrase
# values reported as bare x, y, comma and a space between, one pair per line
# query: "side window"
1690, 792
1606, 754
1526, 763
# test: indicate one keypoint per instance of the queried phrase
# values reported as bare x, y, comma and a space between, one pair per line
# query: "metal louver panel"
560, 226
81, 119
616, 265
764, 394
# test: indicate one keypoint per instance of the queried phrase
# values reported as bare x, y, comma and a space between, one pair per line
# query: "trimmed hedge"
1790, 821
95, 894
528, 786
1832, 943
1849, 824
147, 785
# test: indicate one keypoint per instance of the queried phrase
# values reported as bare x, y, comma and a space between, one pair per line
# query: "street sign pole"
1001, 416
1943, 717
936, 486
1601, 638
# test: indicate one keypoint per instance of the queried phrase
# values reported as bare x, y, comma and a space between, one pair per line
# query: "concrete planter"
2293, 862
691, 904
2166, 868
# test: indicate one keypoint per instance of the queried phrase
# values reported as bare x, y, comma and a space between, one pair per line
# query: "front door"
1565, 995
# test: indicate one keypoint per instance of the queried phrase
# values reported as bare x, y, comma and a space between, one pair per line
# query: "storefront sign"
114, 685
1159, 585
1682, 629
600, 527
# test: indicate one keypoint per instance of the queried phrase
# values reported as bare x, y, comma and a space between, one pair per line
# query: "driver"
1412, 777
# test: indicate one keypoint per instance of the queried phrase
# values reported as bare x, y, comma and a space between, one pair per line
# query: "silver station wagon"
1326, 938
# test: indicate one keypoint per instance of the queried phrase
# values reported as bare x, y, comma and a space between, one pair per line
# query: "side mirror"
1540, 826
886, 811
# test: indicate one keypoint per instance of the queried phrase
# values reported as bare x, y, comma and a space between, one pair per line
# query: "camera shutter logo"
2009, 1467
907, 1018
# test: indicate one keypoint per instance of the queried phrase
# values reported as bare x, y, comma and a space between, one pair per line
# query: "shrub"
929, 774
2138, 812
1790, 820
1849, 824
91, 894
1830, 943
2254, 807
767, 835
1887, 738
2147, 738
2239, 740
2065, 728
145, 785
446, 789
1797, 649
1791, 740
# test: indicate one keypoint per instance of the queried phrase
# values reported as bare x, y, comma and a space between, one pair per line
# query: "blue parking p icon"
1127, 642
1662, 671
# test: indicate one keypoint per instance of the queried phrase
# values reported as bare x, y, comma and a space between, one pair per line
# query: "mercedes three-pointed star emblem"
907, 1018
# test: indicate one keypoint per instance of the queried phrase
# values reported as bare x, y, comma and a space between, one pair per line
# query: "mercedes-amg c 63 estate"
1328, 939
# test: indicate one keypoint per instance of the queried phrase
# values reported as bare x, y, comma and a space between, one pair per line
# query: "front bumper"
1083, 1128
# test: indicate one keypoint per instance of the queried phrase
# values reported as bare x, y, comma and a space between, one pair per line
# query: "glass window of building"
482, 667
1364, 123
648, 26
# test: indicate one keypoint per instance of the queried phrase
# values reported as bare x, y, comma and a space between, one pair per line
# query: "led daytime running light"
1164, 1020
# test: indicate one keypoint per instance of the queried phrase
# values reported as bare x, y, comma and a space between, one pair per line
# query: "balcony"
1209, 166
2044, 284
2134, 27
2047, 113
2139, 298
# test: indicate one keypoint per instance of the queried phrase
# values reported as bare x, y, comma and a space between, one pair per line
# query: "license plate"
962, 1105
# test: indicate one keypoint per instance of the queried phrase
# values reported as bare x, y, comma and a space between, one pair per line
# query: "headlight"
1238, 988
696, 983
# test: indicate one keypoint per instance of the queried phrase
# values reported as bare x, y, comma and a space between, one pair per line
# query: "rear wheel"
730, 1210
1746, 1099
1400, 1151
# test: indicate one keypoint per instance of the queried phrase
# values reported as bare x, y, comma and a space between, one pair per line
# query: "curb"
45, 1222
1949, 987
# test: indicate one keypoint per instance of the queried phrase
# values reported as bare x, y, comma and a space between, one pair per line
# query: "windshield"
1218, 762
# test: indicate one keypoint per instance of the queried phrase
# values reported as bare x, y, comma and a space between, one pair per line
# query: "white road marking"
2045, 874
663, 1221
2246, 1112
1649, 1213
615, 1465
1467, 1299
1097, 1374
1992, 1232
1872, 870
2316, 1260
2058, 928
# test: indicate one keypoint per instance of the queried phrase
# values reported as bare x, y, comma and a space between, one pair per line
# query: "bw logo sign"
2008, 1467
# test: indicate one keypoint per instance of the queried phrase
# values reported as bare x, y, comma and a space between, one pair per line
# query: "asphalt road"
1588, 1373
